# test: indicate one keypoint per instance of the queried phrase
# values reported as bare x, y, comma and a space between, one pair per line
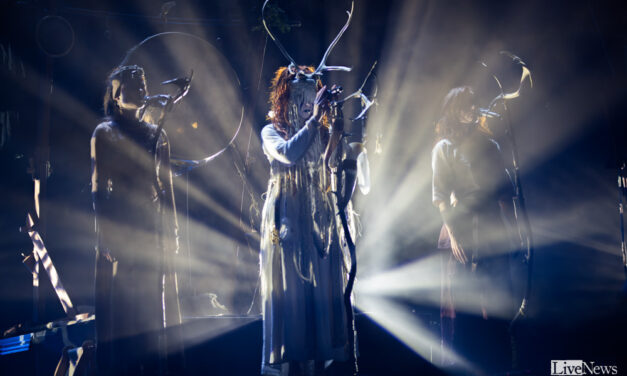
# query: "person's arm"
291, 150
446, 212
99, 182
442, 187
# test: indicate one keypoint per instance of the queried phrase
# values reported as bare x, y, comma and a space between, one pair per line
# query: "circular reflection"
207, 119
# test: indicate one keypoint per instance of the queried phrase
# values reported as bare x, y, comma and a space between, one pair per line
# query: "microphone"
159, 100
163, 101
487, 113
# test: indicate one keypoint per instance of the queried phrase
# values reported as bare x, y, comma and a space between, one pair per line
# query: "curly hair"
280, 95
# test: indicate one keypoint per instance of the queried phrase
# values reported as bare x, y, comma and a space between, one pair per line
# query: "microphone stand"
345, 189
522, 210
520, 206
622, 189
166, 103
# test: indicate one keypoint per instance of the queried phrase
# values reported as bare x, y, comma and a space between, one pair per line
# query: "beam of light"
419, 65
420, 278
61, 100
397, 320
220, 208
420, 282
216, 187
417, 68
401, 175
71, 104
196, 334
576, 225
211, 263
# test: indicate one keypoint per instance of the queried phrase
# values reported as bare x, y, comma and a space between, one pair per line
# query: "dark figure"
303, 258
473, 193
136, 290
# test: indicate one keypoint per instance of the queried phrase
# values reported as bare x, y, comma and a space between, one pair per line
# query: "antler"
323, 67
366, 102
276, 41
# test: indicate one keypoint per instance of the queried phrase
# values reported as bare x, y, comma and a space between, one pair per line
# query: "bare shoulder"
103, 129
443, 143
152, 130
152, 127
443, 146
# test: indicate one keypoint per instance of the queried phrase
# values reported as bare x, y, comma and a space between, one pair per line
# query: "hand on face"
320, 103
306, 105
302, 96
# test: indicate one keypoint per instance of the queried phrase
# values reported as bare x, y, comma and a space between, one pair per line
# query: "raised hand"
321, 103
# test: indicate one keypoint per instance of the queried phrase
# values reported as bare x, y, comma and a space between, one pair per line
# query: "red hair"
280, 96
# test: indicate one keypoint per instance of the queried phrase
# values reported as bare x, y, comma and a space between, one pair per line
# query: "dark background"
569, 127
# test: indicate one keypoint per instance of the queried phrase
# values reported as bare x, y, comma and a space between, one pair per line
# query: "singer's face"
303, 95
132, 94
468, 115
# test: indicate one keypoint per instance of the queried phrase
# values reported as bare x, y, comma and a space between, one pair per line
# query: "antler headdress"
322, 67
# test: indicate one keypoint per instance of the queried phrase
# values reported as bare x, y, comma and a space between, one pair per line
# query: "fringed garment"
303, 260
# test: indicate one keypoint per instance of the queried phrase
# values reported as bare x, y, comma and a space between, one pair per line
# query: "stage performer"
303, 258
136, 292
471, 189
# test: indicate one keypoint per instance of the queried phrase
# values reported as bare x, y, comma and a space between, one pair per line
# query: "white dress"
303, 260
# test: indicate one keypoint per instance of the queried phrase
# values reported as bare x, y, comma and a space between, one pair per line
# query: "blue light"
16, 344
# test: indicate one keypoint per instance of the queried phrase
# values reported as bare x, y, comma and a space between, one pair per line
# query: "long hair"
124, 74
448, 125
280, 96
